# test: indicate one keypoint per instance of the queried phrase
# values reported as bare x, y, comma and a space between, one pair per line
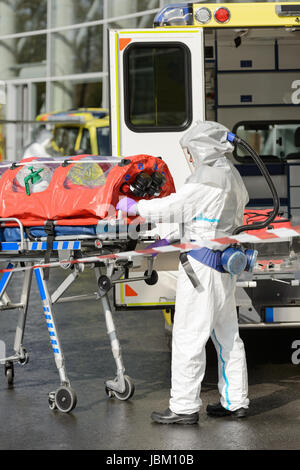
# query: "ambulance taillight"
222, 15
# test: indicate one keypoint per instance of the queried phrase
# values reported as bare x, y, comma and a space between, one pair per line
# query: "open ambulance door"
157, 92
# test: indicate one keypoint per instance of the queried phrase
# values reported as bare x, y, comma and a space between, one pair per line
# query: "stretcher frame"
108, 272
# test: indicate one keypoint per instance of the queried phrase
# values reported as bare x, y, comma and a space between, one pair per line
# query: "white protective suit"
210, 203
40, 147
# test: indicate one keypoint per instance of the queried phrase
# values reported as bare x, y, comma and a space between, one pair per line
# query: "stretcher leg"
18, 344
64, 398
122, 386
21, 354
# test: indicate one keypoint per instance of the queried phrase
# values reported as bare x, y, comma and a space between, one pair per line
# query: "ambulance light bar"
61, 117
65, 118
179, 14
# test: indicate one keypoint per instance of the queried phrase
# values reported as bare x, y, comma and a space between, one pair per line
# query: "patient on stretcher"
79, 190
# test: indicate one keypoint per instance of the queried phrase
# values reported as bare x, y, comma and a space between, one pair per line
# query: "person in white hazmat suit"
41, 146
211, 202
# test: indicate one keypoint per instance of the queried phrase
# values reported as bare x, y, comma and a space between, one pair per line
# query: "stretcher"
62, 211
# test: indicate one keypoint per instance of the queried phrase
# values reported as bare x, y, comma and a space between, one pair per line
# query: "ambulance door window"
157, 87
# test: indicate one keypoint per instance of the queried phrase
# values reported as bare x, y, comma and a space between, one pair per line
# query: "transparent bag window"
89, 172
34, 177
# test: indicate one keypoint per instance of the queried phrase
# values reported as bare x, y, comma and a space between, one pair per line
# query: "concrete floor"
102, 423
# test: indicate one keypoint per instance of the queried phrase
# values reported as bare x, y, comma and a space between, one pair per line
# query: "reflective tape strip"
42, 246
40, 284
10, 246
5, 277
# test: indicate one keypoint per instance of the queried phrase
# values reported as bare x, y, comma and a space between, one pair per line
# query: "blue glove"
126, 204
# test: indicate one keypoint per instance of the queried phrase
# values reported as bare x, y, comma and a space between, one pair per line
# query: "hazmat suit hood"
211, 203
207, 143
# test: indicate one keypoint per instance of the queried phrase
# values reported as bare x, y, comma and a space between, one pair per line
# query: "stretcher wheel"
25, 358
152, 279
65, 399
104, 283
128, 393
9, 373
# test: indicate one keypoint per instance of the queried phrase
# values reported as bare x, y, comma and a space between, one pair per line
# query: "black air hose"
261, 165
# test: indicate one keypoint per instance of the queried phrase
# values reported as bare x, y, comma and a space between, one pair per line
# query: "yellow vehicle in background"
79, 131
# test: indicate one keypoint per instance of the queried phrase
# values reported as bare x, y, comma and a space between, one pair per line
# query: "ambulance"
238, 64
80, 130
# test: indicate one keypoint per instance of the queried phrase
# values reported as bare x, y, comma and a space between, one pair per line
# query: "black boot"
219, 410
168, 417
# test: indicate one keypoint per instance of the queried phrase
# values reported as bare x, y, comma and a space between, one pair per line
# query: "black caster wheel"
152, 279
128, 393
25, 359
104, 284
9, 373
65, 399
